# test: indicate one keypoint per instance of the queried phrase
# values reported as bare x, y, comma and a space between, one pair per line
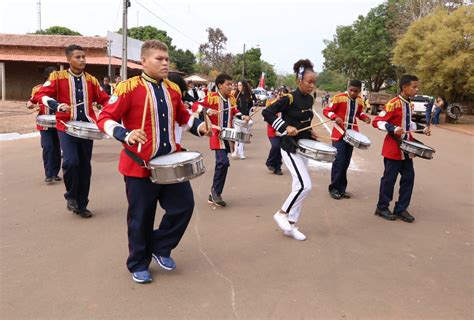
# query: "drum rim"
416, 144
198, 158
333, 149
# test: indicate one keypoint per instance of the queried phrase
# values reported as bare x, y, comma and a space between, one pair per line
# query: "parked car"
419, 106
261, 95
377, 100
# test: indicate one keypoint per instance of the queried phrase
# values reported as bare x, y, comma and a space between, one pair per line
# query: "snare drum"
84, 130
176, 167
316, 150
232, 134
241, 123
357, 139
46, 120
418, 149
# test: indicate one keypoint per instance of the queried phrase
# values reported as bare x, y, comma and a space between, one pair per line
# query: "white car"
261, 95
419, 106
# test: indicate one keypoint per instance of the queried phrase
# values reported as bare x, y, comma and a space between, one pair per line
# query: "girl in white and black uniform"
296, 113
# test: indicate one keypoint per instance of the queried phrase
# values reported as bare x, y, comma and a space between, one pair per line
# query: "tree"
270, 74
331, 81
404, 12
363, 50
253, 65
288, 80
58, 30
211, 52
184, 60
439, 50
150, 33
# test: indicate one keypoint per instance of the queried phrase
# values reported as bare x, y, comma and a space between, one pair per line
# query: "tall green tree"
150, 33
439, 50
331, 81
184, 60
58, 30
254, 66
212, 52
363, 50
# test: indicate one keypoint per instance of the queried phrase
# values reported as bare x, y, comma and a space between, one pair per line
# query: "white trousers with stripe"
301, 185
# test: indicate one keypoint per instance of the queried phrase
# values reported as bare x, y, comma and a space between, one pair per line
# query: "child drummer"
395, 119
149, 107
344, 108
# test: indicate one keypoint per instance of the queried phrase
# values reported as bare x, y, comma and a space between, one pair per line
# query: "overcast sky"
285, 31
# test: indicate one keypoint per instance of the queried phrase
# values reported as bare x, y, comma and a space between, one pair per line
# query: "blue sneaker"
142, 276
166, 263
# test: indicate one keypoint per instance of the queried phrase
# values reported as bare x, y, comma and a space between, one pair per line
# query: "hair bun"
305, 63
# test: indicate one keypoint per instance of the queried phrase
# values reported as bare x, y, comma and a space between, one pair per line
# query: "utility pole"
109, 49
39, 15
243, 65
126, 4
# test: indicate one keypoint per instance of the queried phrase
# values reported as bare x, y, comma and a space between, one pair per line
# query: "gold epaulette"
212, 98
392, 104
127, 86
290, 97
342, 97
173, 86
90, 77
57, 75
233, 101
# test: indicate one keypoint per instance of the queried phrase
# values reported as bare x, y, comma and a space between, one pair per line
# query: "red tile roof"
38, 40
62, 59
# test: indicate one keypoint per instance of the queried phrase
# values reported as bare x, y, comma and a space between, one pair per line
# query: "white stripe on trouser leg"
301, 185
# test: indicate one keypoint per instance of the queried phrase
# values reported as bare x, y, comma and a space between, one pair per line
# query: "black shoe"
83, 213
72, 205
335, 194
216, 199
385, 213
278, 172
272, 169
48, 179
57, 178
405, 216
345, 195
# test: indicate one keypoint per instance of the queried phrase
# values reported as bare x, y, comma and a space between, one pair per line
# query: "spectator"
106, 86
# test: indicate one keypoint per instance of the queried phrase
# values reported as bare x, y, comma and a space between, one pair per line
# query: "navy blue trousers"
77, 154
387, 184
51, 152
274, 156
340, 166
143, 195
220, 171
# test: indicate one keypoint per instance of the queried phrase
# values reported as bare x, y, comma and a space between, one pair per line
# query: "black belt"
136, 158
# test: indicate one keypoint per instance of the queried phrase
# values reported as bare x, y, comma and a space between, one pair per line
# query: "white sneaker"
282, 220
234, 154
295, 234
242, 157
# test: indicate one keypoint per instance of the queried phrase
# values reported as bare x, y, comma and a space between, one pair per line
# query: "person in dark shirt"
106, 86
244, 104
296, 113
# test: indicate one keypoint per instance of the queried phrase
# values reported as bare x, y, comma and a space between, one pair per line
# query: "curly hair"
301, 66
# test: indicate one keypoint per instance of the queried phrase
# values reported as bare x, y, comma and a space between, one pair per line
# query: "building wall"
21, 77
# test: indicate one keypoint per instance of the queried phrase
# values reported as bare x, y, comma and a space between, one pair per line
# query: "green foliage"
184, 60
363, 50
212, 52
150, 33
288, 80
58, 30
331, 81
439, 50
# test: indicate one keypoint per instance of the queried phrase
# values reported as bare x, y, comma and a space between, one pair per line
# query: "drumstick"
255, 112
64, 123
314, 125
338, 128
327, 138
143, 120
419, 130
233, 107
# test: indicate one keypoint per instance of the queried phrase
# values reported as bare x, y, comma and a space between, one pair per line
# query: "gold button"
164, 144
164, 129
163, 114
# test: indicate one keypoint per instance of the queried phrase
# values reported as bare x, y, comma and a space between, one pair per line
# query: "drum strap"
136, 158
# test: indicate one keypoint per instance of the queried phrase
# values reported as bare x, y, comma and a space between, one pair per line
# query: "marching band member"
49, 136
70, 93
244, 105
296, 113
273, 162
395, 119
221, 107
163, 109
344, 109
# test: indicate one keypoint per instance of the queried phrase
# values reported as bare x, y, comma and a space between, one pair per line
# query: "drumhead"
358, 136
418, 145
316, 145
82, 124
47, 117
174, 158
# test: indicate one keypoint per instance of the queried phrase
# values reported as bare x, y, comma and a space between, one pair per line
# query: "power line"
167, 23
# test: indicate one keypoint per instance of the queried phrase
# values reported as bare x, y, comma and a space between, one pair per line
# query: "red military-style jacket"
214, 100
340, 106
61, 87
127, 106
397, 113
43, 110
271, 132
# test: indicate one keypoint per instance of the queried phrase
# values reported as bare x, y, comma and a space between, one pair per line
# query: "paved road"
233, 263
